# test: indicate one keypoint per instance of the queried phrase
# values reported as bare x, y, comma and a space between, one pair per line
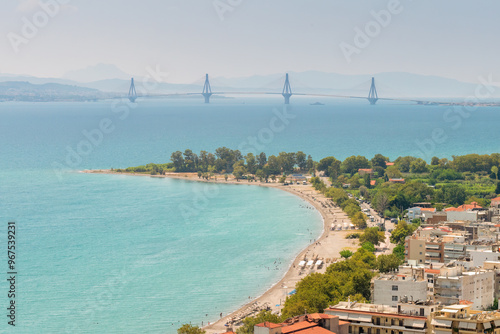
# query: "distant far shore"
325, 248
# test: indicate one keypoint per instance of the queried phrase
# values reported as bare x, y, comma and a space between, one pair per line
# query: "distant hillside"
97, 73
25, 91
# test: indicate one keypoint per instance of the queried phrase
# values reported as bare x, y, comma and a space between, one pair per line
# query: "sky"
233, 38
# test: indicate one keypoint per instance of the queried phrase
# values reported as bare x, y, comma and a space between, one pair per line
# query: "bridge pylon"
287, 90
372, 95
207, 90
132, 94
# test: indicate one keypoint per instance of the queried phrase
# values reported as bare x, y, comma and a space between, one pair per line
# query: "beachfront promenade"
325, 247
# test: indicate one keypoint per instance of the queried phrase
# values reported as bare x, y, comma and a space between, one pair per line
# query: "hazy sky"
187, 38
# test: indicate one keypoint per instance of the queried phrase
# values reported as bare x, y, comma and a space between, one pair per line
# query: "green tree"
363, 191
353, 163
368, 246
238, 172
373, 235
418, 166
494, 170
345, 253
262, 160
403, 163
399, 251
381, 202
190, 329
330, 166
250, 322
434, 161
178, 161
251, 163
379, 161
386, 263
359, 219
402, 230
301, 160
393, 172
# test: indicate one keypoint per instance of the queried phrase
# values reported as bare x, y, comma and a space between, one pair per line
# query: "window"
420, 253
394, 298
378, 331
394, 288
421, 311
401, 323
377, 322
350, 329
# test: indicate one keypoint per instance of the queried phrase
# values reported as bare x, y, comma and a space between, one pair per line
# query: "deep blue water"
100, 253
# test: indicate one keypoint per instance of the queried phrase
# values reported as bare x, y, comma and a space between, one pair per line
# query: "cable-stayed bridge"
287, 93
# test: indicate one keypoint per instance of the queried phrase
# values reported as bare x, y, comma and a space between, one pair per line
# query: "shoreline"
322, 248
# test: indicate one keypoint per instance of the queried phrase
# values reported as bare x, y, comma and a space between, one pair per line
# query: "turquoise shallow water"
100, 253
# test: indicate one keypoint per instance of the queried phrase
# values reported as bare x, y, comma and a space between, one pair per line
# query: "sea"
99, 253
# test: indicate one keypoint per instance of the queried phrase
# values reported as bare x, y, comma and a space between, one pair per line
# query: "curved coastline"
322, 247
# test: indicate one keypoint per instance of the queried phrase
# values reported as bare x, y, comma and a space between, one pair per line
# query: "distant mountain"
25, 91
97, 73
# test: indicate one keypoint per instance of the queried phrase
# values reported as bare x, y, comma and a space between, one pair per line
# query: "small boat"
317, 104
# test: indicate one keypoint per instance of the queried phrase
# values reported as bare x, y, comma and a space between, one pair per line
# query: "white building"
454, 284
478, 257
390, 289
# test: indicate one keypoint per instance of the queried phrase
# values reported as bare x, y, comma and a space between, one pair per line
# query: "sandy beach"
326, 247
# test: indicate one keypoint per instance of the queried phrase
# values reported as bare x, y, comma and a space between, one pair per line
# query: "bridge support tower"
132, 94
207, 90
372, 95
287, 90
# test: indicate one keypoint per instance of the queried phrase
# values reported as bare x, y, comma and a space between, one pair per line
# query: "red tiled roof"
465, 302
315, 330
387, 163
372, 182
428, 209
496, 199
432, 271
268, 325
368, 170
299, 326
465, 207
321, 316
343, 322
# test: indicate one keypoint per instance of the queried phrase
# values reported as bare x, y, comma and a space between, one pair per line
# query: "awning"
310, 263
440, 322
319, 262
472, 325
302, 263
341, 315
497, 323
294, 291
487, 325
419, 323
449, 310
463, 324
408, 322
360, 317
